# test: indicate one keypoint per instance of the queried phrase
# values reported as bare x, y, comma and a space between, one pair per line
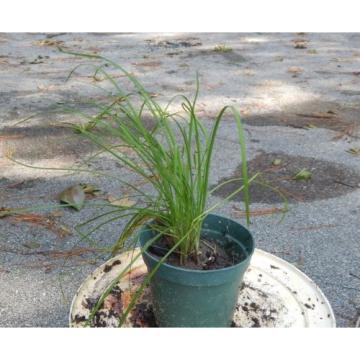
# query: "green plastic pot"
199, 298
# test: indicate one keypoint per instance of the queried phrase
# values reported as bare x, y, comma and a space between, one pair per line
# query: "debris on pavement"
354, 151
74, 196
49, 42
277, 162
303, 174
259, 212
45, 221
122, 202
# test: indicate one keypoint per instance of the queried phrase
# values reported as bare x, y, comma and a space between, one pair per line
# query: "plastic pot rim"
179, 268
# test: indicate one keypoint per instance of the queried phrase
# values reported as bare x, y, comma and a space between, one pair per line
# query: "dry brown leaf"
300, 43
44, 221
259, 212
295, 70
123, 202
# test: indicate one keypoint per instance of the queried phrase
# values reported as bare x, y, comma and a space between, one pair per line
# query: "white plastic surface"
275, 293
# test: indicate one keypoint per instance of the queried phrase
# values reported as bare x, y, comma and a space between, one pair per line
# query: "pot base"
274, 294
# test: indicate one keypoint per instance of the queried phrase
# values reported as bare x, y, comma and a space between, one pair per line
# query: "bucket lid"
274, 294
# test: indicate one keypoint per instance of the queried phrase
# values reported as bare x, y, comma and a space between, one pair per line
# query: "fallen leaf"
277, 162
311, 126
295, 70
303, 174
354, 151
259, 212
123, 202
44, 221
74, 196
312, 51
300, 43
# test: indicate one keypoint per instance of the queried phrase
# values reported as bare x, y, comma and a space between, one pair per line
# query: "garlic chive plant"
173, 157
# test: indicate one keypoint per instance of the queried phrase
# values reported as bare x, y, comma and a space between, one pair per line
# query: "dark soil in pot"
211, 255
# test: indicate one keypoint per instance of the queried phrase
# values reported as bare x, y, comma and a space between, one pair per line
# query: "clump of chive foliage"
174, 157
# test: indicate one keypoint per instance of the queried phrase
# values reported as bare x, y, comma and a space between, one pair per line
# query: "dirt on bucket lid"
274, 294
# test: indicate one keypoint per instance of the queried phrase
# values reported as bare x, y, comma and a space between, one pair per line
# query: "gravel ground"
299, 97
